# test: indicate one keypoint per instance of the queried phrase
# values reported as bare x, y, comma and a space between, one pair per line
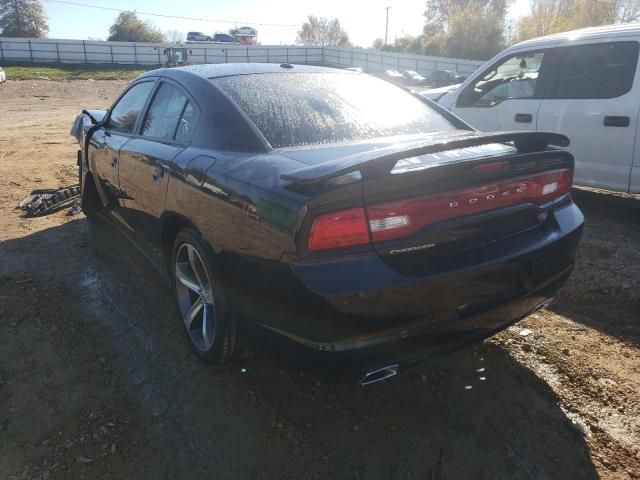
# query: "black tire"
89, 200
225, 343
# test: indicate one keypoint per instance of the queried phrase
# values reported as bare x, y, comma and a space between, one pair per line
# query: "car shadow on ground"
97, 381
604, 290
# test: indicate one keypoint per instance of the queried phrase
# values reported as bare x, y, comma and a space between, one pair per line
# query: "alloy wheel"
195, 297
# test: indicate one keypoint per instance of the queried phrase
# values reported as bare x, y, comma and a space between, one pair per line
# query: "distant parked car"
413, 78
583, 84
3, 76
223, 37
393, 75
444, 78
198, 37
247, 31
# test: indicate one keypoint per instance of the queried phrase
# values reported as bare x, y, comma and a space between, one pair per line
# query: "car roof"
591, 33
209, 71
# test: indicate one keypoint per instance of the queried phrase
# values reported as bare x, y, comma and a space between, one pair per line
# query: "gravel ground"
96, 379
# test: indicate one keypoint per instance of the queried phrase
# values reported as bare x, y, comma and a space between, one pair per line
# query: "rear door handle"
611, 121
523, 118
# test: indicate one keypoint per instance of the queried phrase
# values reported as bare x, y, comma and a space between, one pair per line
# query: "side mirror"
96, 116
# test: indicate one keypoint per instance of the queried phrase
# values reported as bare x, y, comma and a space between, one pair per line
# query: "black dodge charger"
329, 211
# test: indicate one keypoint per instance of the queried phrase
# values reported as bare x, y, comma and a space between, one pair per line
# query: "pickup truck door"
506, 95
146, 159
107, 141
595, 104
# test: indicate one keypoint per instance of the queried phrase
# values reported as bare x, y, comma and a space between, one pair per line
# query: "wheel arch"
173, 223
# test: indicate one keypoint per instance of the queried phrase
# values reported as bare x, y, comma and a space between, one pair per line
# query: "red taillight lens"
344, 228
403, 217
386, 221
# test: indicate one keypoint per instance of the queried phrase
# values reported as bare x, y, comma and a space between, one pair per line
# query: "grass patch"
70, 71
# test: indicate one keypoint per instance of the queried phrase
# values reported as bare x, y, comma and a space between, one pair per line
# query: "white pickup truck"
584, 84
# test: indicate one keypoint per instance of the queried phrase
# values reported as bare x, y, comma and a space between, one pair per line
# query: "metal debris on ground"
75, 209
45, 201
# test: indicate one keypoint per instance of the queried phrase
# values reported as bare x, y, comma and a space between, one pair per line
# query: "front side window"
125, 113
602, 70
515, 77
292, 109
164, 113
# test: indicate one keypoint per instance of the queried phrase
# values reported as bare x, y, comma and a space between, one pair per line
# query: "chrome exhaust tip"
379, 375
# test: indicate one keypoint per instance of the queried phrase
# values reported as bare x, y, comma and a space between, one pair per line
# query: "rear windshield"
314, 108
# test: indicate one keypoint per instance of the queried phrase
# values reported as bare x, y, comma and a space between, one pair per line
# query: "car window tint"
124, 114
164, 113
515, 77
186, 125
293, 109
604, 70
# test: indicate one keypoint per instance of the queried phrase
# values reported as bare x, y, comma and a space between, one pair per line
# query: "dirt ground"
97, 381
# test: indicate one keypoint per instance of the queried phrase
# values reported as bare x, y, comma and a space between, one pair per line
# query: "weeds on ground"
68, 71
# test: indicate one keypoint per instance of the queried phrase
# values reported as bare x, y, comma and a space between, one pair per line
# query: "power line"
173, 16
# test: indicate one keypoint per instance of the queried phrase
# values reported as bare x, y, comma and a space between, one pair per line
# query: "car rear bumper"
365, 358
460, 325
367, 316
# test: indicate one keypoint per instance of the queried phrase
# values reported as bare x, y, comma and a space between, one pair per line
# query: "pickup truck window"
601, 70
515, 77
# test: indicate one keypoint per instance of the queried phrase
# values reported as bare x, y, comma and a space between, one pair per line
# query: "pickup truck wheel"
208, 322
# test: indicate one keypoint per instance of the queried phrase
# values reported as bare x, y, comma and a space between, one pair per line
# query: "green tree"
129, 28
475, 30
378, 44
406, 44
22, 18
174, 36
321, 31
553, 16
472, 29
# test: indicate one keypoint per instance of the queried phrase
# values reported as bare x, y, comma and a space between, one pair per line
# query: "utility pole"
386, 27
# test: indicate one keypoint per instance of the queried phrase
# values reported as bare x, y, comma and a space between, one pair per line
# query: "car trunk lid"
427, 199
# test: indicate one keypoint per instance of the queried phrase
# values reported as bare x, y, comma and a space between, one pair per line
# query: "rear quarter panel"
237, 205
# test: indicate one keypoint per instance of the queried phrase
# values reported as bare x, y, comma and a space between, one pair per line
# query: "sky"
277, 21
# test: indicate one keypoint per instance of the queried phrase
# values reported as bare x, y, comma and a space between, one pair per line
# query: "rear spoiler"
383, 164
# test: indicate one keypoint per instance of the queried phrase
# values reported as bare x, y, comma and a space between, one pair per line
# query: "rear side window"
186, 124
292, 109
603, 70
164, 113
125, 113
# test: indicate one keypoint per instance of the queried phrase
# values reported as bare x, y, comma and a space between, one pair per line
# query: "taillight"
344, 228
403, 217
399, 218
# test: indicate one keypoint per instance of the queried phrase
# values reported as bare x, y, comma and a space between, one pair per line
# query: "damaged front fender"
85, 121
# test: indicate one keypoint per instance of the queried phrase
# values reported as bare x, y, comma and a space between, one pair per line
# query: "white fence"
132, 53
374, 60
